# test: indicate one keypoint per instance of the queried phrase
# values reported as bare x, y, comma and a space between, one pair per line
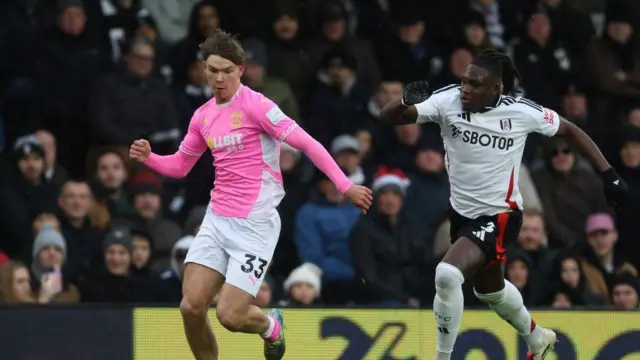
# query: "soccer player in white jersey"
484, 134
234, 246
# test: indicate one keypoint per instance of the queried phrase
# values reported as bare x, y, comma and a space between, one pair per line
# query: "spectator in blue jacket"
321, 235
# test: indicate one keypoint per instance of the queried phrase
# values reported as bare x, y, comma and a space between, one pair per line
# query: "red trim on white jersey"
512, 204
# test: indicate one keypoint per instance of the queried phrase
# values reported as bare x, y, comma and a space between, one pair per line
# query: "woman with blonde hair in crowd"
15, 285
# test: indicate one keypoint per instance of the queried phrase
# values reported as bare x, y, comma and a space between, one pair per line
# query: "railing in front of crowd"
155, 332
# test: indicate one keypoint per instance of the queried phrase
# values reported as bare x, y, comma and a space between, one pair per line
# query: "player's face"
477, 88
223, 76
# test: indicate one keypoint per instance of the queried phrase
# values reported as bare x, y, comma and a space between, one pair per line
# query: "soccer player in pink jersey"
234, 246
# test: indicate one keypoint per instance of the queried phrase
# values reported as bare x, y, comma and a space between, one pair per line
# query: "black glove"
615, 189
416, 92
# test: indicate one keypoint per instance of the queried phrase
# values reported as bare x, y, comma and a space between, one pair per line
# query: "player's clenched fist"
360, 196
140, 150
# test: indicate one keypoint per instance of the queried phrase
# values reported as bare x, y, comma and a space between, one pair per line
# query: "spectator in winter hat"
346, 151
626, 293
602, 263
392, 280
112, 280
25, 195
303, 286
49, 256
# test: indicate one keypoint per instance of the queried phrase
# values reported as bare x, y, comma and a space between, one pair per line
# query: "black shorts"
491, 233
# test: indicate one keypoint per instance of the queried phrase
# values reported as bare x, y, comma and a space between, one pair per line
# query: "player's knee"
448, 276
229, 319
193, 309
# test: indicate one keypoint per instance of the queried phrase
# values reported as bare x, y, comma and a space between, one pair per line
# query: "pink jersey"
244, 137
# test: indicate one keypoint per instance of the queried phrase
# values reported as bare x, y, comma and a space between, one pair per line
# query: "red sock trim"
533, 326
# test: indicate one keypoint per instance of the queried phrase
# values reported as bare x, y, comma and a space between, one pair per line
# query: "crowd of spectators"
79, 81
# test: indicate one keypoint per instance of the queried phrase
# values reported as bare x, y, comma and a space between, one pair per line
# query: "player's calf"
237, 314
508, 304
448, 305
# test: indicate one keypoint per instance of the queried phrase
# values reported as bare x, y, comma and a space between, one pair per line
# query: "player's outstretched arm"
615, 188
359, 195
176, 166
403, 111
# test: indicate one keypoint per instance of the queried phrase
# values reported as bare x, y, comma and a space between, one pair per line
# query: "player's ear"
500, 86
241, 69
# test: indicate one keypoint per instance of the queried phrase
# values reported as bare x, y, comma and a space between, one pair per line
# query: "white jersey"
484, 149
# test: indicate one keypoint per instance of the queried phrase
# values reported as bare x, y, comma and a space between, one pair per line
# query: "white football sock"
508, 304
448, 306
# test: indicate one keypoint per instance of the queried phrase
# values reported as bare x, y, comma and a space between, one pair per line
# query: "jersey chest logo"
482, 139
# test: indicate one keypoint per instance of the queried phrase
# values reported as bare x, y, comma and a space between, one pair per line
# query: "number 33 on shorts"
250, 265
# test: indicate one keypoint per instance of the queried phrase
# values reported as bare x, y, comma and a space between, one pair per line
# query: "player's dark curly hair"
502, 65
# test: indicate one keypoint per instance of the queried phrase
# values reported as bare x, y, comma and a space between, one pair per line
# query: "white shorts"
240, 249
